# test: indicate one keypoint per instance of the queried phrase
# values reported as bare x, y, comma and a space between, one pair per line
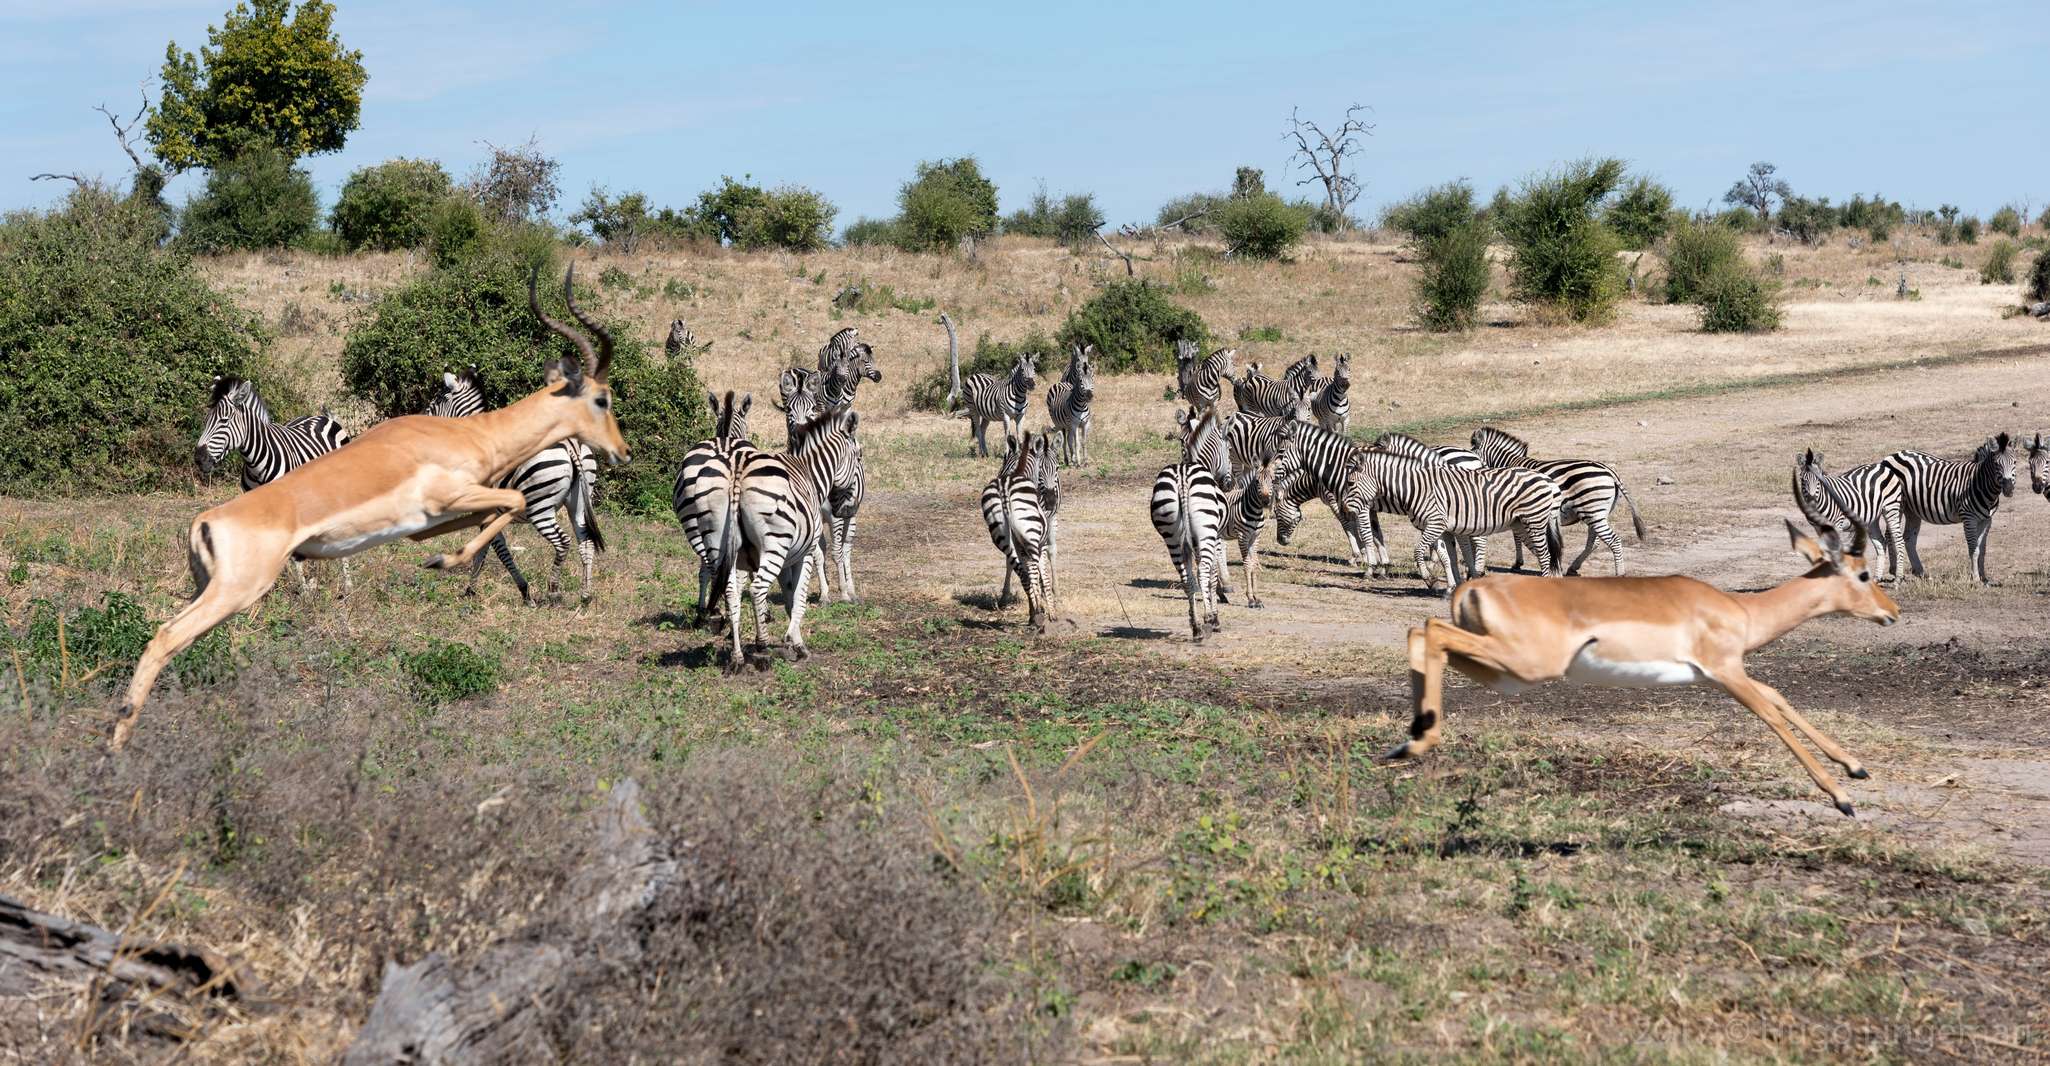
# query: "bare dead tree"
1324, 156
79, 179
121, 131
1119, 252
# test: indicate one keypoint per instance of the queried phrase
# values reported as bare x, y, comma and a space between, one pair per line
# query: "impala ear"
1805, 546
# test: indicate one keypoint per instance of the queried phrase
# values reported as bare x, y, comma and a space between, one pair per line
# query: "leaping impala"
415, 476
1511, 631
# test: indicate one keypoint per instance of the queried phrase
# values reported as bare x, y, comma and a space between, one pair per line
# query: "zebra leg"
586, 550
847, 561
1190, 578
759, 589
1540, 545
978, 427
793, 637
736, 653
1978, 530
1216, 578
1892, 521
559, 539
1477, 556
1598, 527
819, 553
1913, 532
1429, 535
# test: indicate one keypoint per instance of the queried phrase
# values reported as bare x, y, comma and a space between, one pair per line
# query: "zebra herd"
1897, 495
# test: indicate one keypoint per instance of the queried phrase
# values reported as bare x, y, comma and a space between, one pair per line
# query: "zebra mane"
1400, 444
1014, 458
223, 385
1487, 435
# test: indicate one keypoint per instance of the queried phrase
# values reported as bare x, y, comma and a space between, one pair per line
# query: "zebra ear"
2003, 441
747, 402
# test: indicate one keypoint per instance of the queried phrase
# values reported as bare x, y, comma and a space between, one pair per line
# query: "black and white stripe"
706, 497
1946, 492
1256, 393
2039, 466
827, 449
778, 517
1317, 467
237, 419
1589, 491
1040, 465
1331, 397
1067, 404
1198, 378
1249, 440
562, 476
1188, 513
1447, 504
988, 398
1475, 549
1248, 506
1864, 498
1015, 509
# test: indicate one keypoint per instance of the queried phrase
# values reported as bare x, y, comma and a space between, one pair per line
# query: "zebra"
1067, 404
1475, 549
1250, 440
990, 398
561, 476
682, 342
1016, 513
1198, 377
778, 517
2039, 467
237, 419
1301, 373
1590, 491
1945, 492
1259, 394
705, 494
1317, 468
1330, 403
825, 445
1862, 498
1246, 509
1188, 513
840, 373
1447, 504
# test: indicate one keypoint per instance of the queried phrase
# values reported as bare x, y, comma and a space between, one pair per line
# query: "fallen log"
141, 984
488, 1010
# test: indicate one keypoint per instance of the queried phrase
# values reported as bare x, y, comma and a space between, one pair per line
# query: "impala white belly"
1591, 669
335, 547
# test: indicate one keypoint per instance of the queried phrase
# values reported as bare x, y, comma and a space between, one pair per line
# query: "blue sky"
1136, 103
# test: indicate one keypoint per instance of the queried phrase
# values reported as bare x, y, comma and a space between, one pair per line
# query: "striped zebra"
1946, 492
1256, 393
990, 398
1317, 467
1247, 507
237, 419
1198, 377
1862, 499
1301, 374
1188, 513
559, 477
1067, 404
1590, 490
1249, 440
829, 451
682, 342
778, 516
1019, 525
1330, 397
1447, 504
840, 374
2039, 467
705, 496
1475, 549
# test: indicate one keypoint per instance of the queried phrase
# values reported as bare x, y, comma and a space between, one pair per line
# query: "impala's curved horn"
560, 330
603, 364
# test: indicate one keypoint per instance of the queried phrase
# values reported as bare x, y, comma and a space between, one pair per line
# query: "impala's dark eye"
604, 403
1864, 575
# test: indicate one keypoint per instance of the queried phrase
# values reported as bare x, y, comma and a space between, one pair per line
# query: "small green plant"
2037, 288
1737, 299
17, 575
1146, 975
445, 671
673, 289
1951, 261
1999, 266
863, 232
613, 277
97, 644
1134, 327
1268, 334
1873, 280
1453, 277
1260, 226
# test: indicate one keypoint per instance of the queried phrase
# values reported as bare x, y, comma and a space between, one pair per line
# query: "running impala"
1509, 632
416, 476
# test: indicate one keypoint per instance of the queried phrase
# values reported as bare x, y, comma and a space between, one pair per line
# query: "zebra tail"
1636, 523
583, 517
1555, 540
1186, 530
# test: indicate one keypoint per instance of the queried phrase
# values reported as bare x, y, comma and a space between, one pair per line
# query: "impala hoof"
1398, 753
439, 562
1859, 772
1845, 806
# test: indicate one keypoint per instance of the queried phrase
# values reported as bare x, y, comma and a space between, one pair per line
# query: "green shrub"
1202, 205
112, 345
386, 207
1260, 226
474, 311
1262, 334
103, 642
255, 200
445, 671
748, 216
870, 231
1433, 213
1694, 253
620, 223
456, 231
2007, 220
2037, 288
1642, 214
1320, 216
1134, 327
1562, 259
992, 357
1968, 229
1453, 277
946, 201
1807, 220
1999, 266
1070, 220
1740, 220
1737, 299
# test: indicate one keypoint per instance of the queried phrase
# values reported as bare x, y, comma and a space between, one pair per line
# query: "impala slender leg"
509, 504
223, 598
1750, 694
1829, 747
1433, 647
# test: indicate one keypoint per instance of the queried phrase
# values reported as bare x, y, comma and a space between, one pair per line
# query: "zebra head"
1341, 374
1082, 370
801, 405
1288, 507
460, 395
227, 423
1301, 373
1026, 372
791, 382
681, 339
1203, 442
2039, 467
866, 360
1497, 448
1997, 457
729, 416
1817, 501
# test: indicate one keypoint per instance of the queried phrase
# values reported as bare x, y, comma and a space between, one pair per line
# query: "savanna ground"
1144, 849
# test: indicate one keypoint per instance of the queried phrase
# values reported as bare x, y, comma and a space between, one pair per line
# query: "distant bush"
1877, 216
1134, 327
992, 357
745, 215
255, 200
1562, 259
386, 207
112, 344
1321, 217
1807, 220
1070, 220
620, 223
2007, 220
1642, 214
517, 184
1432, 213
1260, 226
1968, 229
456, 230
2037, 288
1736, 299
1694, 253
1453, 278
868, 231
1999, 266
946, 201
445, 671
1740, 220
474, 311
1178, 211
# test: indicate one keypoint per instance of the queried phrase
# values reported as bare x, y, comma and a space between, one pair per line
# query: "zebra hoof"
796, 653
1255, 604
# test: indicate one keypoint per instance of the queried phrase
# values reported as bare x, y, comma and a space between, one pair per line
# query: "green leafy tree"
1261, 226
387, 207
745, 215
1134, 326
946, 201
269, 76
1070, 219
1432, 213
1642, 214
1562, 258
255, 200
